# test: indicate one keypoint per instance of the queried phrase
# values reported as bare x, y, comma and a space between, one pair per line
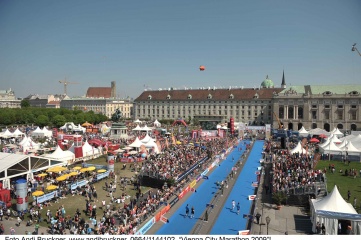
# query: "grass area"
71, 203
344, 183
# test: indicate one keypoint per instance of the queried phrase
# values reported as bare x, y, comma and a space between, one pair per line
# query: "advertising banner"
146, 227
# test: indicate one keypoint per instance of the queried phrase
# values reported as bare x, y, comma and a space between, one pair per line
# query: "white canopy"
330, 148
318, 131
336, 207
298, 149
145, 128
335, 139
59, 154
157, 124
337, 132
342, 144
23, 140
28, 144
152, 144
7, 134
89, 150
137, 128
18, 133
137, 121
137, 143
303, 132
147, 138
350, 148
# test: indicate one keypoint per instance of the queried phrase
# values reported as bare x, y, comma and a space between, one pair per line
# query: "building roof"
54, 103
321, 89
9, 159
99, 92
267, 83
208, 94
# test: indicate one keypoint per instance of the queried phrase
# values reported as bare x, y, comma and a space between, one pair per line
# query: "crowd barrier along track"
213, 209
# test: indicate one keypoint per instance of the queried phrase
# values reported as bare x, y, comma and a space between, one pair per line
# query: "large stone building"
99, 105
8, 99
248, 105
46, 101
312, 106
325, 107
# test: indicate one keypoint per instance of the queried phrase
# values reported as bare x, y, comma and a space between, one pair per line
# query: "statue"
117, 115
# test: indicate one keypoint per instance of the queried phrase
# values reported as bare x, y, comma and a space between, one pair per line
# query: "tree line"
52, 117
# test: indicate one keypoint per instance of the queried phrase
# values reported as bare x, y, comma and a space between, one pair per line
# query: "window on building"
327, 106
340, 106
314, 114
339, 115
353, 115
327, 115
353, 106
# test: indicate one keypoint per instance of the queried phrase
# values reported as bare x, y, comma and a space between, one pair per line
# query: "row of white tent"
38, 132
318, 131
350, 144
156, 123
8, 134
147, 141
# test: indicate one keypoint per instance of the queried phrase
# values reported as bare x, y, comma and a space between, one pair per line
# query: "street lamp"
268, 220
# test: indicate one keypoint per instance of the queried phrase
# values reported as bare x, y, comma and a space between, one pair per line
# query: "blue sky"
162, 43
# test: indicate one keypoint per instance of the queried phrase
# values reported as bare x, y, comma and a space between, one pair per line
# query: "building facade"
248, 105
99, 105
325, 107
8, 99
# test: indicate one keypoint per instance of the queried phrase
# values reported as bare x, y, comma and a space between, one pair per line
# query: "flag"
254, 184
159, 146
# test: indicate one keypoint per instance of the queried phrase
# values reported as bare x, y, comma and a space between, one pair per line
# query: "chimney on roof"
113, 89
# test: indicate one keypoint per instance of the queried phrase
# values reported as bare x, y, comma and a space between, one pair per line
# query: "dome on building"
267, 83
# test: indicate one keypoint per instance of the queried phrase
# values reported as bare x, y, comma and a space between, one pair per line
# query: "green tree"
59, 120
42, 120
25, 103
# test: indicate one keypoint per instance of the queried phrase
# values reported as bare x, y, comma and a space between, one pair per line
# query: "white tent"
318, 131
7, 134
330, 148
18, 133
147, 138
342, 144
137, 128
23, 140
145, 128
136, 144
298, 149
335, 139
60, 155
89, 150
325, 143
331, 208
152, 144
138, 121
47, 133
303, 132
351, 149
29, 144
157, 124
337, 132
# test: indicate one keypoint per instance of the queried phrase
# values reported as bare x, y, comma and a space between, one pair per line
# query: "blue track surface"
178, 224
228, 221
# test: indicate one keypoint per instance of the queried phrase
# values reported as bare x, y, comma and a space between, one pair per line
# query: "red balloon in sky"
202, 68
